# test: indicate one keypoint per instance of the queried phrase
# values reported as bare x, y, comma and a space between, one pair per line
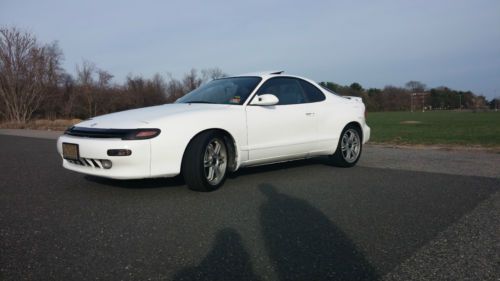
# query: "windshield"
233, 90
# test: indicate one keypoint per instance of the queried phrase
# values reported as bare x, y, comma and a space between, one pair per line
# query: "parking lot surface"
401, 214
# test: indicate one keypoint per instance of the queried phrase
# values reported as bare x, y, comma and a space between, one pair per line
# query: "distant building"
418, 102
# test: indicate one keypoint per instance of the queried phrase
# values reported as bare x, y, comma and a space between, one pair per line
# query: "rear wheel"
204, 165
349, 147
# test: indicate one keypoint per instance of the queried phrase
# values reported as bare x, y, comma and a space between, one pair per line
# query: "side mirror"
265, 99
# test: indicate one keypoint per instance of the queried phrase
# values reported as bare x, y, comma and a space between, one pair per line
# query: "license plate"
70, 151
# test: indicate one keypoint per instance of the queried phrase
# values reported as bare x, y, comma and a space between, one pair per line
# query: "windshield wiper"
199, 101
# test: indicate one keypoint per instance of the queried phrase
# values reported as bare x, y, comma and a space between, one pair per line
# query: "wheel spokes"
350, 145
214, 161
210, 149
216, 149
211, 173
352, 137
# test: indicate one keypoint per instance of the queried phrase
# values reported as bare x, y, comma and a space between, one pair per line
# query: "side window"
287, 90
313, 94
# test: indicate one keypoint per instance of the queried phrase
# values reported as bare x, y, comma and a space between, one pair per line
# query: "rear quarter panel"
336, 113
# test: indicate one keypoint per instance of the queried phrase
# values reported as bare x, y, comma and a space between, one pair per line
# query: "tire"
349, 147
204, 165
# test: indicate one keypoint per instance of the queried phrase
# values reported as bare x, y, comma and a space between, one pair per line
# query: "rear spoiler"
358, 99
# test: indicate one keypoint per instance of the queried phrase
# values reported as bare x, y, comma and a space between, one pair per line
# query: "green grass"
436, 127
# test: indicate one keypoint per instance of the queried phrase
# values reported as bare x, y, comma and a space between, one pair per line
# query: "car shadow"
304, 244
320, 160
179, 180
139, 183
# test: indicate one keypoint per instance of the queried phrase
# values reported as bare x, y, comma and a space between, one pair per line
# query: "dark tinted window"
313, 93
288, 90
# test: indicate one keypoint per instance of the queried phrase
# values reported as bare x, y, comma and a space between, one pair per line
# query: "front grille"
98, 133
124, 134
88, 162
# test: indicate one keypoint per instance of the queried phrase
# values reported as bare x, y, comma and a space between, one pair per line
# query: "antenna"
277, 72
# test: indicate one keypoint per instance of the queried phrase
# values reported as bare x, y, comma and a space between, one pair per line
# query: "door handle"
310, 114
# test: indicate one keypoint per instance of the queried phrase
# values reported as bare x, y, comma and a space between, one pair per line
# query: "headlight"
142, 134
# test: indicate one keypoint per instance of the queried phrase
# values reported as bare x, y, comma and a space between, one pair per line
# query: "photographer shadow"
301, 242
227, 260
305, 245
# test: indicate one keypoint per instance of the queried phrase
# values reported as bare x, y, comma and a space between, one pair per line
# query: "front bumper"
135, 166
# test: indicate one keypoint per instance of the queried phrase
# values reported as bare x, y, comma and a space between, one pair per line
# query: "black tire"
341, 156
193, 162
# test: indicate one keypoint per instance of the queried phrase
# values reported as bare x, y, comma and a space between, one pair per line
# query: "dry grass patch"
410, 122
42, 124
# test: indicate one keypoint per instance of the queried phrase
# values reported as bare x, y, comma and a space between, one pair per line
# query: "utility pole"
423, 102
411, 101
459, 102
496, 100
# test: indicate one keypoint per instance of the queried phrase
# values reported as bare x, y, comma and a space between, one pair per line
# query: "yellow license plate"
70, 151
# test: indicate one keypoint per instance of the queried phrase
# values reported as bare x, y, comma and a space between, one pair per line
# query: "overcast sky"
453, 42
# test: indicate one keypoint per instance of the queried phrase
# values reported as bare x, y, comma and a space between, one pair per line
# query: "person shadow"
304, 244
228, 260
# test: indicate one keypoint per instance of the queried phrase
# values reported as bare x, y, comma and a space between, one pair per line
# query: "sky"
455, 43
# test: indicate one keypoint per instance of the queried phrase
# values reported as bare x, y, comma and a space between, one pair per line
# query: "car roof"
271, 73
263, 73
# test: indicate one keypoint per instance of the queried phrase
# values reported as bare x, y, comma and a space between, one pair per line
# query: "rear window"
312, 92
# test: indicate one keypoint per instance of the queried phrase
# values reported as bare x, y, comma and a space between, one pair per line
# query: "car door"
283, 131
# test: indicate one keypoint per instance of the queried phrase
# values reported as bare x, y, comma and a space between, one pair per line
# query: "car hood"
143, 117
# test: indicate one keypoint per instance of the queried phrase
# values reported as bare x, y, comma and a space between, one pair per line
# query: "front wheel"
349, 147
204, 165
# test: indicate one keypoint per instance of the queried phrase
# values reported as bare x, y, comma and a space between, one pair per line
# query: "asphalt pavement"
401, 214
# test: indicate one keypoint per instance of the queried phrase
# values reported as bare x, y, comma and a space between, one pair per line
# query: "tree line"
414, 96
33, 84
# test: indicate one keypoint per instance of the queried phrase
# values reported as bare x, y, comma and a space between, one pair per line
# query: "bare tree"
146, 92
69, 97
174, 89
212, 73
415, 86
157, 90
103, 78
92, 84
52, 102
85, 82
191, 80
394, 99
26, 70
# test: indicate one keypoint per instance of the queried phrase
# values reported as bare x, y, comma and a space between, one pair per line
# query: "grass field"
449, 128
436, 127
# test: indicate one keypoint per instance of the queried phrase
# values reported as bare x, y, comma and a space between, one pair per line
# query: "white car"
224, 125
